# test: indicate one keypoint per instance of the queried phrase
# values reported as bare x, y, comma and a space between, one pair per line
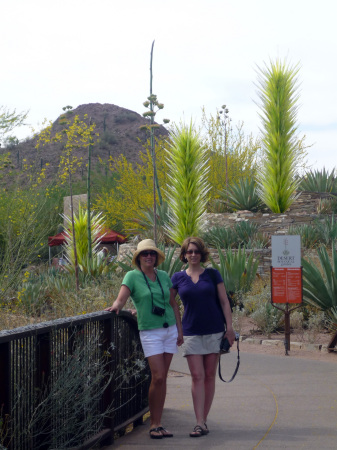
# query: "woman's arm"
173, 303
119, 303
222, 294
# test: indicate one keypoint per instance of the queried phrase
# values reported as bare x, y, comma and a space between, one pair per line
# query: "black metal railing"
71, 382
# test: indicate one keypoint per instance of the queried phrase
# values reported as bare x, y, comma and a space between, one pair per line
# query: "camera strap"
236, 369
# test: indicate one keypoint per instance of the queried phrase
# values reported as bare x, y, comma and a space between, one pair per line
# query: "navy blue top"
202, 312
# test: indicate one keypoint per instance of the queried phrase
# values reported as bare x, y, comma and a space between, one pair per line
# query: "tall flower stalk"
188, 187
278, 95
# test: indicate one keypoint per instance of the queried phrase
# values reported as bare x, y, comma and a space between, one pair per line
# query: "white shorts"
159, 340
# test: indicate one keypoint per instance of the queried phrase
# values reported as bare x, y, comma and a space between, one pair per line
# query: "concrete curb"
280, 343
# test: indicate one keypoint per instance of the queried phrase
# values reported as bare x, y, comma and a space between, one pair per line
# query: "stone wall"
303, 211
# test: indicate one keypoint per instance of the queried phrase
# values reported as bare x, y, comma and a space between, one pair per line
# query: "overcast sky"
71, 52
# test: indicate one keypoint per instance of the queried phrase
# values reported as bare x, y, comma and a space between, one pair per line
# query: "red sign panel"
286, 285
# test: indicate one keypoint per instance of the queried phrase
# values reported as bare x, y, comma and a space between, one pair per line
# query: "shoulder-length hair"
201, 247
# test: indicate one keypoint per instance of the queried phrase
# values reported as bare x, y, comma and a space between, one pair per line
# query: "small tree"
277, 177
188, 187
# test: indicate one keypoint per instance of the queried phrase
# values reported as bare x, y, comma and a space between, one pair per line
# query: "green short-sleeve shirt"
141, 297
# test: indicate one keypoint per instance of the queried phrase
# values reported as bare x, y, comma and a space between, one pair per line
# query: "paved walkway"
274, 403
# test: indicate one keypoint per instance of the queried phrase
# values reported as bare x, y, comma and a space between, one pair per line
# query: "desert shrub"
266, 317
314, 325
107, 138
126, 116
217, 206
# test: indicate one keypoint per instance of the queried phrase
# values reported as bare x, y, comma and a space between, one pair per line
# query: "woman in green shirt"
159, 323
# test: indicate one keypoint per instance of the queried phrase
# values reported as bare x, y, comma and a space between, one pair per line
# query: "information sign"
286, 285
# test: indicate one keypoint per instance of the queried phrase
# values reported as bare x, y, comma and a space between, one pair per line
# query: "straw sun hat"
148, 244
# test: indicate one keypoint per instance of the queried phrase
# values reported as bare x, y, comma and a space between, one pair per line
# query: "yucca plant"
237, 271
309, 235
319, 181
277, 176
320, 283
242, 195
187, 190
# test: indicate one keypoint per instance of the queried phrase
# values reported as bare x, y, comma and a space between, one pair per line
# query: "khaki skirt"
202, 345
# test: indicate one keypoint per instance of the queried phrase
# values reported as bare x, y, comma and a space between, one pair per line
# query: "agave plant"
309, 235
237, 271
258, 240
327, 230
243, 232
172, 263
146, 221
319, 181
187, 190
277, 177
243, 195
320, 284
218, 236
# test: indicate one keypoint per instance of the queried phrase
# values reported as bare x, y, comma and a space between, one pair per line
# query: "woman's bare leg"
159, 366
196, 366
210, 365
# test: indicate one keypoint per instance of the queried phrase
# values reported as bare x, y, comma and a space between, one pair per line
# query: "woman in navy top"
203, 325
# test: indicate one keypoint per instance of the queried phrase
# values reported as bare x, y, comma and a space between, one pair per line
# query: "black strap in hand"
237, 366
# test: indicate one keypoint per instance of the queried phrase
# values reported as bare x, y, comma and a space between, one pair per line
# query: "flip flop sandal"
206, 430
156, 430
197, 431
167, 433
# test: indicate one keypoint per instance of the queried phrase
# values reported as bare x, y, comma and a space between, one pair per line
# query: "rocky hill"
119, 133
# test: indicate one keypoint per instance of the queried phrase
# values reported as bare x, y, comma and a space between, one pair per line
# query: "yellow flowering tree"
133, 193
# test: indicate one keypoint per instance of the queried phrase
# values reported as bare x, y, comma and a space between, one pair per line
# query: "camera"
224, 344
158, 311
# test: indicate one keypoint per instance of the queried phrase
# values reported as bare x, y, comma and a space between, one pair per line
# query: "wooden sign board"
286, 285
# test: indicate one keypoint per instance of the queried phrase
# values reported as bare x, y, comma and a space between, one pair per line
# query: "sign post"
286, 277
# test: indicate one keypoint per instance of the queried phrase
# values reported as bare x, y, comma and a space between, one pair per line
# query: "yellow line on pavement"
273, 422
